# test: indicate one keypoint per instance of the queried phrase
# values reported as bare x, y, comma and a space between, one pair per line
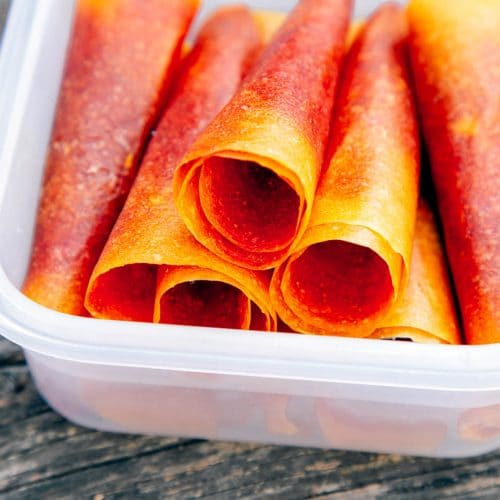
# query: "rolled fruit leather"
425, 311
118, 68
245, 189
353, 261
268, 23
455, 52
352, 33
152, 268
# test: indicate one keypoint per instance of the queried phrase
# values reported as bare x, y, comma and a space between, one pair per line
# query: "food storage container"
371, 395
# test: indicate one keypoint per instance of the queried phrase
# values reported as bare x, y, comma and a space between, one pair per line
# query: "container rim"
258, 354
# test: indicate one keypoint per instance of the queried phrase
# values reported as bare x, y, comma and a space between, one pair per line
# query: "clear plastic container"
278, 388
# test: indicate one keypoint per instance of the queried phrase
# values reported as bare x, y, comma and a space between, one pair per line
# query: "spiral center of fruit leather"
205, 303
248, 204
338, 281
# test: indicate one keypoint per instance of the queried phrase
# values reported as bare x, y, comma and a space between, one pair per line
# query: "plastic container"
277, 388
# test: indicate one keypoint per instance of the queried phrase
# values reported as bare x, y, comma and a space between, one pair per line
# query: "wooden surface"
44, 456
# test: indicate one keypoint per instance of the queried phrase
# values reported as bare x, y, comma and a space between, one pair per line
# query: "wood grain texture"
42, 455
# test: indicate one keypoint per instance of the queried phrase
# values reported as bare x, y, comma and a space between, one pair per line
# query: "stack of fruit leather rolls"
152, 268
119, 66
352, 263
246, 187
425, 311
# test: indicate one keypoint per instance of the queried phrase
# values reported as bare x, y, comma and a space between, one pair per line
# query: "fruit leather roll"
246, 187
425, 311
268, 23
118, 67
455, 52
352, 34
349, 267
151, 258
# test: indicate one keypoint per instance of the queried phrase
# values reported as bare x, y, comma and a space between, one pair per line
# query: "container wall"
41, 32
226, 407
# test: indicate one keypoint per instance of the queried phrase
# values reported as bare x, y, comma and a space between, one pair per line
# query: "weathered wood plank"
4, 7
9, 353
227, 471
19, 399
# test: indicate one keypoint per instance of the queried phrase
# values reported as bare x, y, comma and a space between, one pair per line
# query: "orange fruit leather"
104, 115
246, 187
425, 312
455, 52
268, 23
151, 267
353, 33
351, 264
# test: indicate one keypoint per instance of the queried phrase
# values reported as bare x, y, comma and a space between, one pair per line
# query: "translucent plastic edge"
282, 355
12, 63
304, 357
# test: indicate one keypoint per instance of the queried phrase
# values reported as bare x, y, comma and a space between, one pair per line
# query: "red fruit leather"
353, 261
455, 50
118, 67
246, 187
152, 268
